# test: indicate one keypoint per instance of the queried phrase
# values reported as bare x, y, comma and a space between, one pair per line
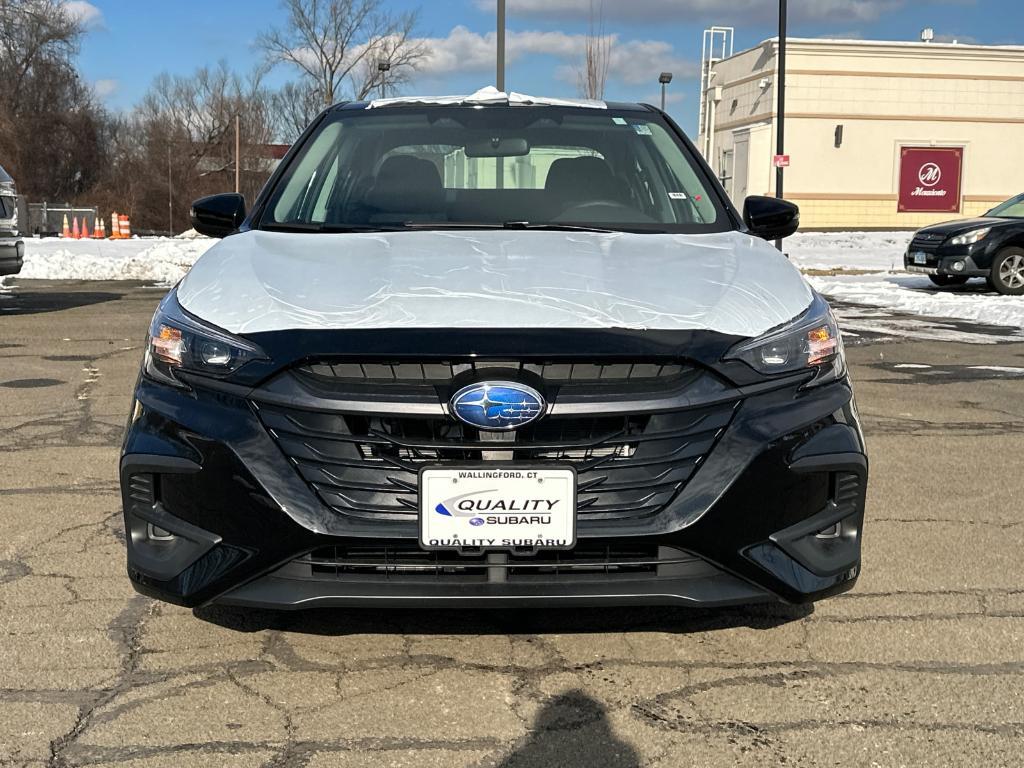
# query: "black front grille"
405, 562
628, 466
926, 243
444, 372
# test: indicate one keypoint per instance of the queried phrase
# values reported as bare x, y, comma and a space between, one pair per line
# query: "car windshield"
449, 167
1011, 209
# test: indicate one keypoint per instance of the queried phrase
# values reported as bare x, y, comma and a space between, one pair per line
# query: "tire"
946, 280
1007, 275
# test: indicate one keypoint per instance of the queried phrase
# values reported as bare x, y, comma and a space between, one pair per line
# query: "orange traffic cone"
76, 233
101, 232
85, 229
96, 229
65, 230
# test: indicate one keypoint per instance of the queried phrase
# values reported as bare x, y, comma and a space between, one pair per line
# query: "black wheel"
1008, 272
945, 280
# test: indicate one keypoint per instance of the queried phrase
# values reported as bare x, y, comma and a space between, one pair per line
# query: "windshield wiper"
551, 227
556, 227
302, 226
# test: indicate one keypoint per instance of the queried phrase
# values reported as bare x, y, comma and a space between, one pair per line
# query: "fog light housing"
958, 266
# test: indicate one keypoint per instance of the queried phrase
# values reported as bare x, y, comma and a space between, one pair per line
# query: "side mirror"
218, 215
770, 218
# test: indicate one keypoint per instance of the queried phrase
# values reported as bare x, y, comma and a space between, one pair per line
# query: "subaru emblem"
497, 405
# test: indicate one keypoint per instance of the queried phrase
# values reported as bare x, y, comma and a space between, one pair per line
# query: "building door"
741, 162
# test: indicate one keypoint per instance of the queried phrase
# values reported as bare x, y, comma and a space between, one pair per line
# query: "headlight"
970, 238
810, 343
180, 342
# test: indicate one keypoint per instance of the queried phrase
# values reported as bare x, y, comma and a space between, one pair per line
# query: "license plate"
920, 258
498, 508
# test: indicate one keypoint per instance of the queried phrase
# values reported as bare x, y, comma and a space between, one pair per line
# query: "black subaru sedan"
991, 247
491, 351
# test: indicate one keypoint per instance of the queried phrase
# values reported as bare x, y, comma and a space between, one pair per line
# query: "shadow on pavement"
16, 300
325, 621
572, 731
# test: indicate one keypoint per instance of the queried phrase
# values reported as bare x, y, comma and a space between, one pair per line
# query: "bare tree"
293, 108
593, 75
181, 136
334, 42
33, 32
52, 130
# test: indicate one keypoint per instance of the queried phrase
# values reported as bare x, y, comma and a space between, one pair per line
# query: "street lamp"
664, 79
383, 67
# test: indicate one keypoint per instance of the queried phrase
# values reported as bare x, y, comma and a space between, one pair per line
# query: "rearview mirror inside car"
218, 215
771, 218
498, 147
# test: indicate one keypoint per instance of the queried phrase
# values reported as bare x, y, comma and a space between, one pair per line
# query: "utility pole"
170, 196
238, 154
501, 46
780, 148
499, 162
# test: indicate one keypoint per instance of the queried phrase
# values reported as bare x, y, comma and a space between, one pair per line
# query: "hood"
258, 281
962, 225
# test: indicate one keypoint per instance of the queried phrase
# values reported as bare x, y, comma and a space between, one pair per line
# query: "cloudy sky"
130, 41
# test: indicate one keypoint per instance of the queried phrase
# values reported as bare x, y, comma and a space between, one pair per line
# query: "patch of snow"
190, 234
158, 260
857, 251
915, 295
911, 365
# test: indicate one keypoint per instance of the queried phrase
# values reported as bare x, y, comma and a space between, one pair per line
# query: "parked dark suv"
493, 351
991, 247
12, 249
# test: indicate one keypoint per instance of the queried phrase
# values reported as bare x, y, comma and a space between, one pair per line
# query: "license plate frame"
919, 258
518, 487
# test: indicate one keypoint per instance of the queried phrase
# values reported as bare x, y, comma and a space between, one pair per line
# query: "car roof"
490, 97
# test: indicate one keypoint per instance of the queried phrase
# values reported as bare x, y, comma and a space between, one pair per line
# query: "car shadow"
572, 731
340, 622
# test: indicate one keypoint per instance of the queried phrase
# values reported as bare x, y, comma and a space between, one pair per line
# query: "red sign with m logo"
930, 179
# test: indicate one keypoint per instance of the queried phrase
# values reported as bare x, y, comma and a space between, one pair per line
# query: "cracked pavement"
922, 665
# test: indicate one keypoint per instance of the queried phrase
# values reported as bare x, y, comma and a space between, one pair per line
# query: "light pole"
501, 46
780, 139
664, 79
383, 67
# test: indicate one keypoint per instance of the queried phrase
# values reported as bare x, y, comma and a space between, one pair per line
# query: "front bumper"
959, 263
245, 526
12, 255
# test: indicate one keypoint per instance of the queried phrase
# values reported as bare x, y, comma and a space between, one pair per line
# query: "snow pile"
914, 294
159, 260
849, 251
189, 234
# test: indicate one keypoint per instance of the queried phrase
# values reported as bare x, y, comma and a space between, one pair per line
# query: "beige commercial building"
879, 134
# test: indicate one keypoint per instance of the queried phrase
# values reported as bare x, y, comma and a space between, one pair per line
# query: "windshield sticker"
619, 120
677, 195
642, 128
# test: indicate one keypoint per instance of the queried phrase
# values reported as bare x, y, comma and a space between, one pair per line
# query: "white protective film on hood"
273, 281
488, 95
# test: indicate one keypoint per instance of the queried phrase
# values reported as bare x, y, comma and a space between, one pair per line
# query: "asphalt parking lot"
922, 665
